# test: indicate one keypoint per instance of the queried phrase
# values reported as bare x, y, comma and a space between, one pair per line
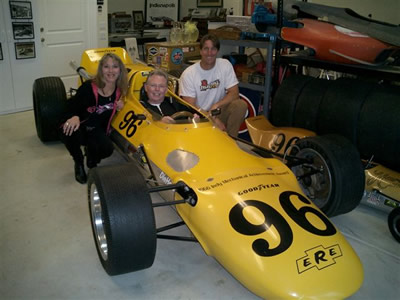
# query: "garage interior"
47, 249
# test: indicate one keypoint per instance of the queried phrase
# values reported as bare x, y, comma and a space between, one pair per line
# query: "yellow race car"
243, 206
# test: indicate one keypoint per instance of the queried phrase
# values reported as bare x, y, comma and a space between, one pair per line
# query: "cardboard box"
170, 56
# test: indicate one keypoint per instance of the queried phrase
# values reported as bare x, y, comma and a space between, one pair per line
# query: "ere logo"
318, 257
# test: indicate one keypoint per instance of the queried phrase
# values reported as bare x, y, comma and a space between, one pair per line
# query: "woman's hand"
120, 104
71, 125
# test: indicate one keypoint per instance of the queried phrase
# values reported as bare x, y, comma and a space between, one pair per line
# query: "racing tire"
307, 107
394, 223
285, 100
377, 133
122, 218
337, 186
340, 107
49, 105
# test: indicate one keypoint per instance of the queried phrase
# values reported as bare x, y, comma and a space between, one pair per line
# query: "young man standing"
211, 84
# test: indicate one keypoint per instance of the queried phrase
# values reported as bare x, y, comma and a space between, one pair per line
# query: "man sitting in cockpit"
156, 87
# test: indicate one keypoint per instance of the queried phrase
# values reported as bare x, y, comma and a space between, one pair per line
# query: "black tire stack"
367, 113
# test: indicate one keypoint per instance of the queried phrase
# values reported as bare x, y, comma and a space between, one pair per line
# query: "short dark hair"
210, 37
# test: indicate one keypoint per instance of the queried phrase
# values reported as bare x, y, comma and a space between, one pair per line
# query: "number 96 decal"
129, 123
274, 218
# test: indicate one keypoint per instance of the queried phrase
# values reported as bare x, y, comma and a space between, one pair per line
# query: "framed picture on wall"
138, 21
210, 3
1, 52
165, 11
20, 10
25, 50
23, 30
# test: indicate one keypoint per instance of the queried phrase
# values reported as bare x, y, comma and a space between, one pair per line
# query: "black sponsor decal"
232, 179
318, 257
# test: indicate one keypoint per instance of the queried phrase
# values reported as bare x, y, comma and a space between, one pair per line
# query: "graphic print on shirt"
102, 108
208, 86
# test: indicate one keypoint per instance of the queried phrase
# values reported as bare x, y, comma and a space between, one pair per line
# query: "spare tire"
378, 127
49, 105
307, 107
340, 108
285, 99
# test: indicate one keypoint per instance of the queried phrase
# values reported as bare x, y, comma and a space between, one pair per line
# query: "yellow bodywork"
251, 214
277, 139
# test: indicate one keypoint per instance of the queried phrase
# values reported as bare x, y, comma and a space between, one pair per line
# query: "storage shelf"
266, 44
382, 72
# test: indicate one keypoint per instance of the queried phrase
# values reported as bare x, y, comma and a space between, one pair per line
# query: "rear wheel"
49, 104
122, 218
334, 177
394, 223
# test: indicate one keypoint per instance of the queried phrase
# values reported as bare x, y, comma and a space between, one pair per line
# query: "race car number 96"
129, 123
274, 218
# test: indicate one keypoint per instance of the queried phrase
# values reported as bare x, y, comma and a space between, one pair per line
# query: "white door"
63, 29
64, 35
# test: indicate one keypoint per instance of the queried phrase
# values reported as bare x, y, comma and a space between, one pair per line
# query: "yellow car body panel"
251, 214
386, 182
277, 139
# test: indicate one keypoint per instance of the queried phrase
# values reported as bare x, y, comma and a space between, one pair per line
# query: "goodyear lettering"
258, 188
319, 258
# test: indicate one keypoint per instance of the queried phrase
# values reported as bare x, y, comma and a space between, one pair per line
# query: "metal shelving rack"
267, 87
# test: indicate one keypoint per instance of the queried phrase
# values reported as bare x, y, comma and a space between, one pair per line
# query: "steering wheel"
182, 114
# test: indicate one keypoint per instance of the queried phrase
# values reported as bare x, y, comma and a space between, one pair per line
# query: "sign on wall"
162, 10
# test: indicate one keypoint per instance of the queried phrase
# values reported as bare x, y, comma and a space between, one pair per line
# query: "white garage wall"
125, 5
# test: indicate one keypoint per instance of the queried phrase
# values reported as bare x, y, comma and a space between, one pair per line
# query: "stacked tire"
364, 112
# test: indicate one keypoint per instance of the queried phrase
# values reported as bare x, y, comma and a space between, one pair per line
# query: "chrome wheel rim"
98, 222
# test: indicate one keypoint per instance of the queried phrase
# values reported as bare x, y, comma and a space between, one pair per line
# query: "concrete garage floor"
47, 250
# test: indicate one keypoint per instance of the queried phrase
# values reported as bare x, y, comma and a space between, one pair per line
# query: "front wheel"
333, 178
122, 218
394, 223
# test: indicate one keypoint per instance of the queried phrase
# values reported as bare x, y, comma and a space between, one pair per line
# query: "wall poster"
162, 10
